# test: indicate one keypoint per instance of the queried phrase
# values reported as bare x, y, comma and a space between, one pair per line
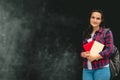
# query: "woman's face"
95, 19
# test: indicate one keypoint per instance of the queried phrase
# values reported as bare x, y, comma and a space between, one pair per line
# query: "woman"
96, 67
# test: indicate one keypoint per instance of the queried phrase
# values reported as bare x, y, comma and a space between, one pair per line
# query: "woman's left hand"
93, 57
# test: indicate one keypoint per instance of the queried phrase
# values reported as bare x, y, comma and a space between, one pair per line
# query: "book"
88, 46
93, 46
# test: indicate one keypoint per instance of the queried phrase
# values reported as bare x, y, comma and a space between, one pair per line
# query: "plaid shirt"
108, 42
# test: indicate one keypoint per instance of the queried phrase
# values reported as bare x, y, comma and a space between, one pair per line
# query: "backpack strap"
105, 30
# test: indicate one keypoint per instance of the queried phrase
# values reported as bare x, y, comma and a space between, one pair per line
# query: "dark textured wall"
41, 39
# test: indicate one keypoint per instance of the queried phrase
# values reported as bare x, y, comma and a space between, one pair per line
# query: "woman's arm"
108, 45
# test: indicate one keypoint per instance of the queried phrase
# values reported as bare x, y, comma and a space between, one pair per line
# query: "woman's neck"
95, 29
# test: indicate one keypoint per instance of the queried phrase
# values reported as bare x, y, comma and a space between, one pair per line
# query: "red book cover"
88, 46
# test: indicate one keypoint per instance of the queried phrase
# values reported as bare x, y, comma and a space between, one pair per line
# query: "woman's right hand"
85, 54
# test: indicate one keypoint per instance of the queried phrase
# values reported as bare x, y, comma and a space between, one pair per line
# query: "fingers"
92, 58
84, 54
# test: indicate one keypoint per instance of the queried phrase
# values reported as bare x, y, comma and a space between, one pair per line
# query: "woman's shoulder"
107, 29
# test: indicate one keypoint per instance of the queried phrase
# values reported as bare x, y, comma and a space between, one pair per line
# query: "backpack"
114, 61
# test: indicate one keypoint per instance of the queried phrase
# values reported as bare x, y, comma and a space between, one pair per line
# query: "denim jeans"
98, 74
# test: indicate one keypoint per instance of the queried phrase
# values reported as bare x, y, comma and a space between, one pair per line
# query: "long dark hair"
88, 31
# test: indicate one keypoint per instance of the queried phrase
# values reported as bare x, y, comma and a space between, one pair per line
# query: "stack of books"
94, 47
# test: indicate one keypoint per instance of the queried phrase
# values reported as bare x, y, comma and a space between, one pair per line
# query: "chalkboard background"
41, 39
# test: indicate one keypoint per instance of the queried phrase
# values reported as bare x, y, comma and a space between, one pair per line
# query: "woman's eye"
98, 18
93, 17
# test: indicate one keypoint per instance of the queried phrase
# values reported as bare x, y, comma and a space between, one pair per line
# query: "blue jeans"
98, 74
